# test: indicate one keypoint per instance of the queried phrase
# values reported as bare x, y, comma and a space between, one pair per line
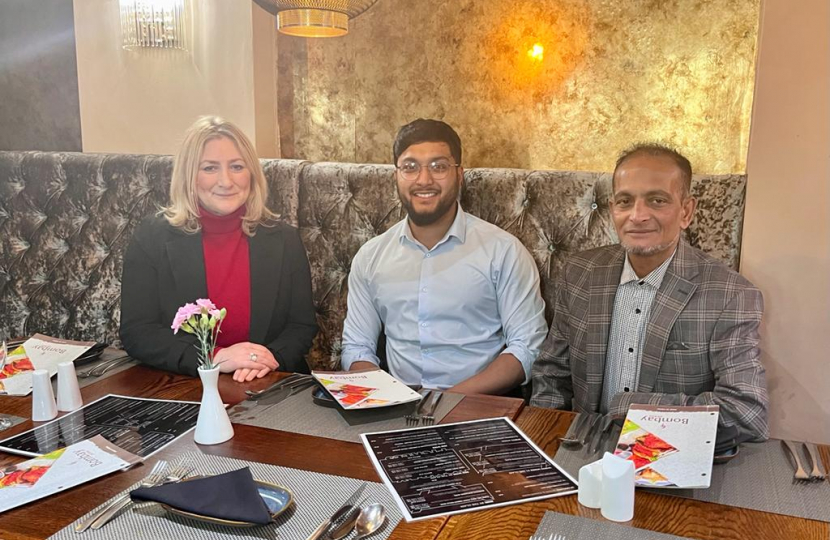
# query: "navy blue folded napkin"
233, 496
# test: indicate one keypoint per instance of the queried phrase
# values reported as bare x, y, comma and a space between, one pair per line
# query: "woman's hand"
247, 361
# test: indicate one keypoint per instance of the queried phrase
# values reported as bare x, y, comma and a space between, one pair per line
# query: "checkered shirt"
632, 307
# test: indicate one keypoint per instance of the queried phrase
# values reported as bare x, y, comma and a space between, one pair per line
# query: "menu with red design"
365, 389
60, 470
37, 352
671, 447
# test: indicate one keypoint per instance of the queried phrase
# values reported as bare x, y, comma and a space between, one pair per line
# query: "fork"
103, 367
428, 419
156, 475
175, 475
415, 419
816, 474
291, 380
800, 475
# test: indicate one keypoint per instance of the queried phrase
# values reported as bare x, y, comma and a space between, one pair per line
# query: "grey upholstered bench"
66, 219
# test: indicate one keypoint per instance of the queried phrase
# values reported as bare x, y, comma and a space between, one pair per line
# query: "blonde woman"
216, 239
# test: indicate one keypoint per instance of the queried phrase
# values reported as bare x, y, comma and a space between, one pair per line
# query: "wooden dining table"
682, 517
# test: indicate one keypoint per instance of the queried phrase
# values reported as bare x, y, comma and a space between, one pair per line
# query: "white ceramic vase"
213, 425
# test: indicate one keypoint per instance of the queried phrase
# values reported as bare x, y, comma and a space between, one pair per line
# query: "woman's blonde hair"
183, 210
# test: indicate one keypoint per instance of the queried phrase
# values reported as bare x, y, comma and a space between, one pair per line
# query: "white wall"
141, 101
786, 241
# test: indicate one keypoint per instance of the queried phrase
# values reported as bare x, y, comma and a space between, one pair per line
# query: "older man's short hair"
659, 150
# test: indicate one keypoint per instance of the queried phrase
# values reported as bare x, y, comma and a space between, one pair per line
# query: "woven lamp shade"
315, 18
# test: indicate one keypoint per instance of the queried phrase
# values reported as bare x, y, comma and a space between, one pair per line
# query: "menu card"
671, 447
453, 468
37, 352
60, 470
365, 389
138, 425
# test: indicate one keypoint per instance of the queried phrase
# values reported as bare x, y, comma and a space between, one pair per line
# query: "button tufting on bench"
66, 220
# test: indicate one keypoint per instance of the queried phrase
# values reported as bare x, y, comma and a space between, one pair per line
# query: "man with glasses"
457, 297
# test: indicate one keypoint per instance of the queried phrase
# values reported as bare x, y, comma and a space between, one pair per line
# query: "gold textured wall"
611, 73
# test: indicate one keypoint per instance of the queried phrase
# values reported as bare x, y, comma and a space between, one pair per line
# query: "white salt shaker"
617, 488
590, 485
43, 399
69, 393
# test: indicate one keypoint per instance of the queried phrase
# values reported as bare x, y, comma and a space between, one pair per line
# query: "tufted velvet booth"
66, 219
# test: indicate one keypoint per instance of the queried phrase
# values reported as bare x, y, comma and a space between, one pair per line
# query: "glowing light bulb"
537, 52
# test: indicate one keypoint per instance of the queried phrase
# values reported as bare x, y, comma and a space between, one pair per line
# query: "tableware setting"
103, 367
160, 477
414, 419
285, 381
277, 498
313, 411
222, 496
156, 475
245, 501
800, 474
340, 516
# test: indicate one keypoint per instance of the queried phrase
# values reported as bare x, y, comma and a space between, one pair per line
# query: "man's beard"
424, 219
646, 251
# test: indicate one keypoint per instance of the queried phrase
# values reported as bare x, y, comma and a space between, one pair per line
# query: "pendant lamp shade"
315, 18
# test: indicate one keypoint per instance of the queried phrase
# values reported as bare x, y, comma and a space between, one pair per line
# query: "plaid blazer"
701, 345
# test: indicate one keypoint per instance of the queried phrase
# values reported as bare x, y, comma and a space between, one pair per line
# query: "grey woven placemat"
117, 369
571, 459
760, 477
13, 419
580, 528
299, 414
316, 496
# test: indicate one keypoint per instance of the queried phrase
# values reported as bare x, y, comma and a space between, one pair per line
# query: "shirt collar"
458, 229
654, 278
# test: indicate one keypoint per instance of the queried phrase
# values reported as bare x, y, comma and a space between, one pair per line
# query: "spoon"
369, 521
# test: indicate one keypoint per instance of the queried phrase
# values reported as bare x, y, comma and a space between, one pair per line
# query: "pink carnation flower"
207, 304
184, 313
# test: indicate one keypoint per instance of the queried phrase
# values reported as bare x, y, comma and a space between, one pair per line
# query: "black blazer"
164, 268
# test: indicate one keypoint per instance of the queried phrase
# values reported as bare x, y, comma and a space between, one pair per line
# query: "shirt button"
625, 389
637, 311
424, 289
423, 324
429, 255
642, 283
630, 349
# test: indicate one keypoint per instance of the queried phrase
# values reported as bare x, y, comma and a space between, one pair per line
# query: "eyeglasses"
438, 169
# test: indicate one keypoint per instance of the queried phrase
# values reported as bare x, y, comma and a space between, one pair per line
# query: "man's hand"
362, 364
502, 375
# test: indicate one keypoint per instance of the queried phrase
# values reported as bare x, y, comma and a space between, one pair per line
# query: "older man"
653, 320
457, 297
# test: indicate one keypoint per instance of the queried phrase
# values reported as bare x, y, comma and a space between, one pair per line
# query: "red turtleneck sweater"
228, 272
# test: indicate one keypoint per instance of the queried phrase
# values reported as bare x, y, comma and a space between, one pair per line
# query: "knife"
572, 435
291, 379
589, 428
283, 393
347, 506
606, 423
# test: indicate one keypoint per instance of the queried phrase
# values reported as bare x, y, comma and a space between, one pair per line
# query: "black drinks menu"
448, 469
137, 425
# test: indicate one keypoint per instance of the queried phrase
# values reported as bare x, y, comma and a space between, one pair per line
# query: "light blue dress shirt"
448, 311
